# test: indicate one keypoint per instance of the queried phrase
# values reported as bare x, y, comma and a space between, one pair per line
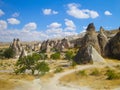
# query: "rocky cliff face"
103, 40
89, 41
113, 46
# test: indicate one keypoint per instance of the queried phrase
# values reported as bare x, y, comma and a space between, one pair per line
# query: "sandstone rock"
89, 49
113, 47
102, 38
23, 53
88, 54
91, 38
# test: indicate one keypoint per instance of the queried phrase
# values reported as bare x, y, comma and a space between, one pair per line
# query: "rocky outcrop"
113, 47
58, 45
89, 49
88, 54
17, 47
23, 53
103, 40
91, 38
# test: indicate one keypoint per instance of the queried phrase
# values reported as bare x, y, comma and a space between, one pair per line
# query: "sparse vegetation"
112, 74
95, 72
55, 56
58, 70
69, 55
82, 73
9, 53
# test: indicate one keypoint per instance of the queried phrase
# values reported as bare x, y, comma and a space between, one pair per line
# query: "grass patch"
97, 78
112, 74
82, 73
58, 70
95, 72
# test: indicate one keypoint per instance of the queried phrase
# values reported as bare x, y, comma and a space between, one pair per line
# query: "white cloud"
1, 13
49, 12
84, 29
54, 25
29, 33
69, 25
3, 25
16, 14
73, 10
108, 13
13, 21
30, 26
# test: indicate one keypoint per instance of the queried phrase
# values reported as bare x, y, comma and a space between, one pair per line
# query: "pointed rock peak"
101, 29
18, 39
91, 27
119, 29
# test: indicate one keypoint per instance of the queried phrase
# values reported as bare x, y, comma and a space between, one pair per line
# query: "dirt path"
53, 84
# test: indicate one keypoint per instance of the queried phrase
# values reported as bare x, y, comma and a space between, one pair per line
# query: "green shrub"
73, 64
69, 55
58, 70
43, 56
95, 72
55, 56
82, 73
111, 74
9, 53
42, 67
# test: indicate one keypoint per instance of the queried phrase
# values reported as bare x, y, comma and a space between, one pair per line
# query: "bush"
58, 70
111, 74
73, 64
43, 56
55, 56
9, 53
95, 72
42, 67
82, 73
69, 55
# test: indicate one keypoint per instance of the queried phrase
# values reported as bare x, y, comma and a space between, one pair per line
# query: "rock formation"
58, 45
102, 38
88, 54
23, 53
91, 38
113, 47
17, 47
89, 49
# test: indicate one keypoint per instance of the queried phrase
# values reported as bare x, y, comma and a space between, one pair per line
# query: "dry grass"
7, 64
97, 81
9, 81
46, 77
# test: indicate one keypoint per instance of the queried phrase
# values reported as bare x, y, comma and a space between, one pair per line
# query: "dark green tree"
9, 53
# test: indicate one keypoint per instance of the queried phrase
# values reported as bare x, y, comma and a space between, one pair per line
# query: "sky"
36, 20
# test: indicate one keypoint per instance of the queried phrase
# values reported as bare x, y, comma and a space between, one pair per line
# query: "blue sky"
33, 20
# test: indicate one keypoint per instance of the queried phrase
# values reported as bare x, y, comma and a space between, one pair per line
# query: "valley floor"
54, 82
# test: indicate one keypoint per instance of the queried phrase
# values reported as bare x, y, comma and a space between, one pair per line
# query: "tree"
31, 62
9, 53
42, 67
55, 56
